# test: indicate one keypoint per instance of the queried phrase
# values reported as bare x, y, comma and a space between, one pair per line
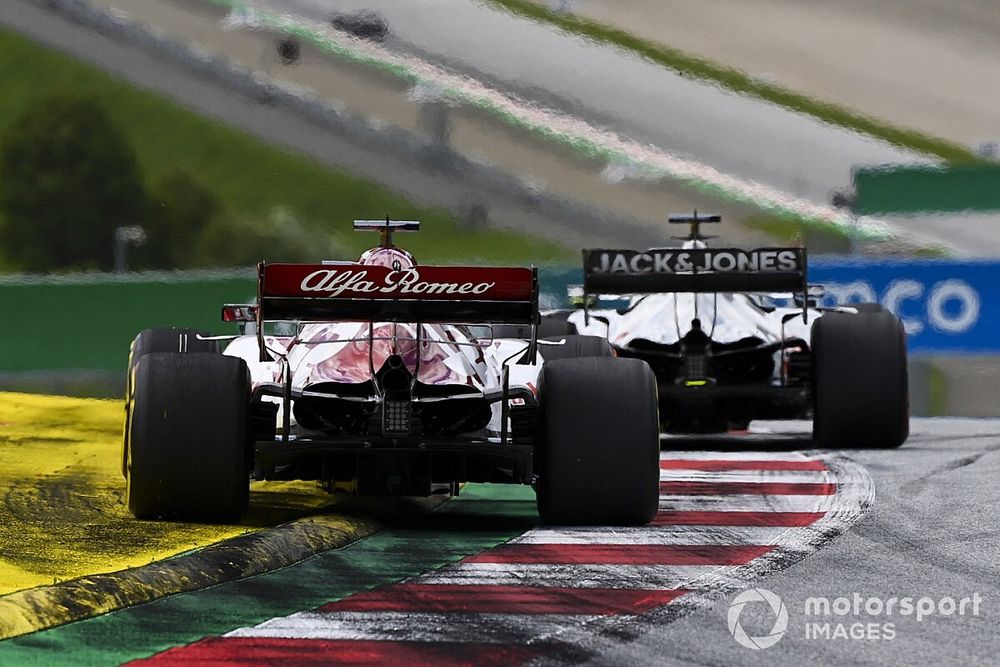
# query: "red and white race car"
382, 377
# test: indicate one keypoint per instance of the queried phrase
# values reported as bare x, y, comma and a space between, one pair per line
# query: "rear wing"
444, 294
694, 270
423, 294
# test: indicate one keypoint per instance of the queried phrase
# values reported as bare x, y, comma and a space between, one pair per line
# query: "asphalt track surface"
612, 89
920, 63
932, 532
478, 580
644, 113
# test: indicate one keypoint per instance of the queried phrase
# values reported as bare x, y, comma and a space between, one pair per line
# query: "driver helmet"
396, 259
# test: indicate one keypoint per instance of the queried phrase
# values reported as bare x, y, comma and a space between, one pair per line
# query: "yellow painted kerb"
62, 514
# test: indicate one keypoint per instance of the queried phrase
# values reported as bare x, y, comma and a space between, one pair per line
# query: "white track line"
791, 476
642, 577
422, 627
746, 503
687, 535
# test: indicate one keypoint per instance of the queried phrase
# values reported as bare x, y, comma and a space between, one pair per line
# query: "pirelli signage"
694, 270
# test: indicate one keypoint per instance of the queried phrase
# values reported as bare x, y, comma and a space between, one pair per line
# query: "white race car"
723, 355
384, 377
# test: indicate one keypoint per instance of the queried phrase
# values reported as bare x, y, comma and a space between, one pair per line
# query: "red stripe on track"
685, 488
699, 518
621, 554
262, 651
477, 599
718, 464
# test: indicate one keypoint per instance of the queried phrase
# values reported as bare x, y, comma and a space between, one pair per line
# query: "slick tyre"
860, 386
556, 324
170, 339
552, 324
574, 347
187, 445
599, 442
160, 339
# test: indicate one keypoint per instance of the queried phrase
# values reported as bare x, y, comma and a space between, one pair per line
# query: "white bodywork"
349, 352
666, 318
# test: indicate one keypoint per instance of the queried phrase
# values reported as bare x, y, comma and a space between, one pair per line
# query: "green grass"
741, 82
823, 239
251, 177
817, 238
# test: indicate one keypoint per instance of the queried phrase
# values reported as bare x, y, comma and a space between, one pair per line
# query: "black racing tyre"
522, 331
187, 445
161, 339
860, 383
599, 445
551, 324
170, 339
556, 324
866, 307
574, 347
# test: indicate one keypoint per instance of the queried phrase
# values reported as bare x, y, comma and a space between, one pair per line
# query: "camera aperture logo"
855, 617
757, 596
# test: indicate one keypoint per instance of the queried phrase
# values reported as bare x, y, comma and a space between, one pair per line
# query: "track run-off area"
474, 579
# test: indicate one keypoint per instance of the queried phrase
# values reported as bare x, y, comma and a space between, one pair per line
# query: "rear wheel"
599, 447
160, 339
187, 445
860, 386
551, 324
574, 347
556, 324
168, 339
